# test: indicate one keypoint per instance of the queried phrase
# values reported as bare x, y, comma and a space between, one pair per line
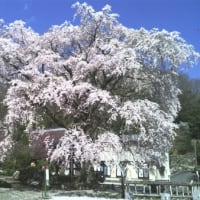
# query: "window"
72, 169
143, 173
146, 173
106, 170
118, 171
140, 173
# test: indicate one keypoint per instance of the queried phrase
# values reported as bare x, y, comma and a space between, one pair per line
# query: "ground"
12, 194
78, 198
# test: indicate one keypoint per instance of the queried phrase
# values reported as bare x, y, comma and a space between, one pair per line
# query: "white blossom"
98, 79
6, 145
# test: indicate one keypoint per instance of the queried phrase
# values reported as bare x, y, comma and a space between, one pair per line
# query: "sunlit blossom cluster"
100, 80
6, 145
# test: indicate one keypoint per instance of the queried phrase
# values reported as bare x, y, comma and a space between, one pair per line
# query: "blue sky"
173, 15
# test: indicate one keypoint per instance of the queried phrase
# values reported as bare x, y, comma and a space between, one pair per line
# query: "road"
12, 194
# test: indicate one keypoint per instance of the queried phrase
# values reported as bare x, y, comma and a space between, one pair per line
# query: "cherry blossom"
6, 145
98, 79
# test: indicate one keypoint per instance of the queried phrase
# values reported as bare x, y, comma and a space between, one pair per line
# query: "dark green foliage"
198, 151
190, 103
9, 166
195, 86
183, 143
190, 112
189, 116
83, 174
27, 174
20, 157
52, 117
92, 180
4, 184
32, 176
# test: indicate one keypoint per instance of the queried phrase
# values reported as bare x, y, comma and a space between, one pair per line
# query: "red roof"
40, 138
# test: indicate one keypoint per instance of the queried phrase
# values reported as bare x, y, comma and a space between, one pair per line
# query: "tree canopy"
96, 77
190, 103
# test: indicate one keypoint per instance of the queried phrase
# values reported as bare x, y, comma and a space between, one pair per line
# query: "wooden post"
188, 191
194, 142
135, 188
157, 189
149, 189
176, 190
144, 189
183, 191
170, 189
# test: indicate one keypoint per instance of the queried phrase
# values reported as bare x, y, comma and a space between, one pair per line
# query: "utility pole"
195, 152
194, 142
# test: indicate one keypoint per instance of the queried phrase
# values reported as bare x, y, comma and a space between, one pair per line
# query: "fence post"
46, 184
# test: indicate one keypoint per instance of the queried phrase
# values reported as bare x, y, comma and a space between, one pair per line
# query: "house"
38, 149
135, 174
111, 174
37, 141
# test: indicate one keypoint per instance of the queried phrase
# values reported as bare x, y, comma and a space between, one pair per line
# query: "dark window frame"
143, 173
106, 170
